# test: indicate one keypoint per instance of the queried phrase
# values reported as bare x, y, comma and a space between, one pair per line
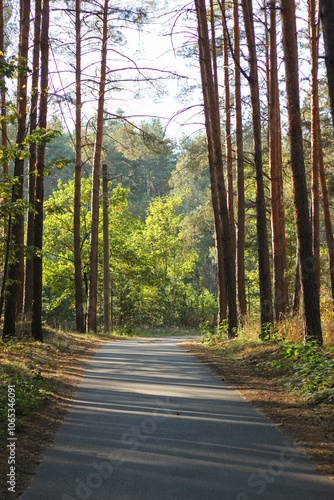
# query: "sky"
150, 47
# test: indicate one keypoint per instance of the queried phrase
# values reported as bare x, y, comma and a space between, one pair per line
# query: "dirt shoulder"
310, 426
40, 428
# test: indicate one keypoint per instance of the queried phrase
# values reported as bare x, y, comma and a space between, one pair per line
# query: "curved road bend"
149, 422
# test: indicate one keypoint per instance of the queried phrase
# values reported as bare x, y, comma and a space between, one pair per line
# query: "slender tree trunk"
275, 172
79, 314
29, 273
222, 299
240, 233
311, 307
327, 19
296, 289
262, 233
327, 220
106, 272
317, 157
228, 140
93, 262
13, 304
36, 321
4, 140
284, 258
315, 139
5, 164
215, 160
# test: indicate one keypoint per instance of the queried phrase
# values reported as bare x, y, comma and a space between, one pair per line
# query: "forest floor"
61, 361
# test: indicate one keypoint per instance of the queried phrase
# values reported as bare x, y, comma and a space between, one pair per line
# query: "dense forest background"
163, 261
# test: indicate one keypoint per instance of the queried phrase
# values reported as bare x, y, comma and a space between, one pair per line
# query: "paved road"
149, 422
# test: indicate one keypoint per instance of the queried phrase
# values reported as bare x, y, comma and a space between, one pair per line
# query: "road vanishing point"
149, 422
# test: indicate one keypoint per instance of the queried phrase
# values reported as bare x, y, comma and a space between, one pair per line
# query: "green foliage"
10, 68
212, 335
151, 262
311, 369
30, 387
145, 157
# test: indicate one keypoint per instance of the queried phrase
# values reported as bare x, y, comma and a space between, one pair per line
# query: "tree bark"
14, 297
327, 219
275, 173
222, 299
79, 313
311, 307
106, 273
4, 143
29, 271
93, 261
296, 289
4, 140
240, 233
215, 160
327, 19
262, 234
228, 140
36, 320
315, 137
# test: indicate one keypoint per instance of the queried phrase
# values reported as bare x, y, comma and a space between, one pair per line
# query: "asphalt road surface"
149, 422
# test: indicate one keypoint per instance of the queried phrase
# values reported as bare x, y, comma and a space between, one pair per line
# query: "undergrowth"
278, 352
33, 369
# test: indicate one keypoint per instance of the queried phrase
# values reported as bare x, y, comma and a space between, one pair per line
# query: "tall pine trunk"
262, 233
4, 143
36, 320
4, 140
222, 299
327, 19
275, 163
327, 219
239, 150
14, 297
216, 161
93, 260
228, 139
79, 314
29, 271
315, 137
311, 308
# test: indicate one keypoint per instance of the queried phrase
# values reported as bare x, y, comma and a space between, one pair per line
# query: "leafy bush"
311, 369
